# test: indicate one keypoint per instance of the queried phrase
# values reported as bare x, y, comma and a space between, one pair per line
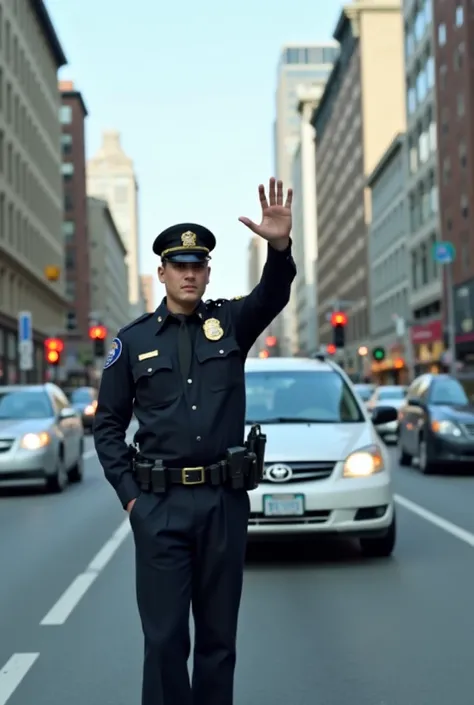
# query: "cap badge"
213, 329
188, 239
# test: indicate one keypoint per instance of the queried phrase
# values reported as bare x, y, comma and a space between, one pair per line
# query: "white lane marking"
436, 520
13, 672
61, 610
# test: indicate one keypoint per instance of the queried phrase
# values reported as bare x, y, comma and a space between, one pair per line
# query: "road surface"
318, 627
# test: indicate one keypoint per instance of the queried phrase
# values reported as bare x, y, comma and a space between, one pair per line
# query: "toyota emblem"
278, 473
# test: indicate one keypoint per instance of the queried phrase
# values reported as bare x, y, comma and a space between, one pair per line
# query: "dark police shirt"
188, 421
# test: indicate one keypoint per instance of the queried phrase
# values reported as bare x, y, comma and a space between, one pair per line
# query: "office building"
360, 113
454, 58
425, 285
74, 227
389, 310
304, 225
253, 277
111, 176
31, 200
300, 67
109, 275
147, 283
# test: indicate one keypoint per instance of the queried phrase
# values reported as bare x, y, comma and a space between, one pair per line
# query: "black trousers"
190, 550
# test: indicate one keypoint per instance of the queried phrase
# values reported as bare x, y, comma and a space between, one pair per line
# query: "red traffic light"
54, 344
331, 349
97, 332
338, 319
270, 341
52, 356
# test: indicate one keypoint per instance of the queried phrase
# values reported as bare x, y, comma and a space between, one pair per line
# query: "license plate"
283, 505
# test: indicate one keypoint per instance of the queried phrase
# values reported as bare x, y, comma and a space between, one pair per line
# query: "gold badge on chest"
213, 329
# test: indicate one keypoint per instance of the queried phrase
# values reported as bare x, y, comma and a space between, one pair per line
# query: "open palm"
276, 217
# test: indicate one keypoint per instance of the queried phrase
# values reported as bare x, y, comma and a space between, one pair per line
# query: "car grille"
469, 428
6, 444
320, 516
304, 471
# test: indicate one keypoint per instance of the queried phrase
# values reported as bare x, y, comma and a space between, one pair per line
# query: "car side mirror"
67, 413
411, 401
384, 414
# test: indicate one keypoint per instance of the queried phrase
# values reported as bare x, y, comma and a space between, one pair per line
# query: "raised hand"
276, 217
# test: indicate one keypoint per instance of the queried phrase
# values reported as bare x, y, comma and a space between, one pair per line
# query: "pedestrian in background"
181, 371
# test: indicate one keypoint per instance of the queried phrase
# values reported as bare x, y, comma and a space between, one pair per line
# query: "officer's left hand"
276, 217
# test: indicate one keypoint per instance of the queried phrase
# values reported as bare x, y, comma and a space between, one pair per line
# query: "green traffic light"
378, 354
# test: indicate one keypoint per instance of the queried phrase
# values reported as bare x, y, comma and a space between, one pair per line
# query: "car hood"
301, 442
463, 414
13, 428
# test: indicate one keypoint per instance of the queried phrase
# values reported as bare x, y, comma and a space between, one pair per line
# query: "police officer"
181, 371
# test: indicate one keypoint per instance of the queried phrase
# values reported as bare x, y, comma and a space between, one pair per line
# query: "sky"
191, 87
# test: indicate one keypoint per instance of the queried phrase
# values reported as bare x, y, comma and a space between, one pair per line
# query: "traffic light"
98, 335
338, 322
378, 354
331, 349
53, 348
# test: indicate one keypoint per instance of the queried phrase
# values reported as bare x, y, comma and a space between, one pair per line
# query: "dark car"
84, 400
436, 424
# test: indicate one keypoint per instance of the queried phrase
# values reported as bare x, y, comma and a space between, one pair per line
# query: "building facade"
305, 234
454, 57
111, 176
389, 311
361, 111
147, 283
301, 66
109, 275
253, 277
74, 227
31, 201
425, 285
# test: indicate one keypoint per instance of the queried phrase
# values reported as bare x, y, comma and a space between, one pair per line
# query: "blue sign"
444, 252
25, 331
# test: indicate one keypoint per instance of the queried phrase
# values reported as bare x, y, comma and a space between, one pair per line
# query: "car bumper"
345, 506
452, 451
17, 464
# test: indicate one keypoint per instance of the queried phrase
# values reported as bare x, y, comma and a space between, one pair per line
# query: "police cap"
185, 242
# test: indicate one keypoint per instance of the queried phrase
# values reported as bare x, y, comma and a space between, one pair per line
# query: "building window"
413, 155
68, 202
66, 143
433, 195
432, 136
463, 154
70, 259
461, 105
411, 100
67, 169
459, 15
464, 206
458, 57
71, 290
442, 34
430, 71
69, 228
65, 114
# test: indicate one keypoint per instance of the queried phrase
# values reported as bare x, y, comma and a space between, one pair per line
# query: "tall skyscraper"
301, 67
147, 282
111, 177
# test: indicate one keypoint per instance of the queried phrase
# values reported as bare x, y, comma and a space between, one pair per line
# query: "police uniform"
190, 539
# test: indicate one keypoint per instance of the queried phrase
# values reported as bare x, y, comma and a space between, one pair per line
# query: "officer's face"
185, 282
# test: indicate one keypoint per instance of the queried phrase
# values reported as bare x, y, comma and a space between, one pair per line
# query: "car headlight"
89, 410
35, 441
446, 428
364, 462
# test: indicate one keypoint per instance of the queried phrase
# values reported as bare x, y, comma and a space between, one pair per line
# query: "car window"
300, 395
449, 392
24, 405
364, 392
81, 396
392, 393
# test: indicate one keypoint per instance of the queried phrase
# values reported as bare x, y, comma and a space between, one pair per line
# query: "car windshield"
364, 392
391, 393
449, 392
24, 405
300, 396
81, 396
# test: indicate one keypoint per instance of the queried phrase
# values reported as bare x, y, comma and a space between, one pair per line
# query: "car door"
69, 426
414, 415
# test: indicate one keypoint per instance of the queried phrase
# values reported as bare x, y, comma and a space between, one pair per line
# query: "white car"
326, 470
387, 395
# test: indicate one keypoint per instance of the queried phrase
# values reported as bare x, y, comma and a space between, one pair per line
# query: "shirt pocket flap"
209, 350
147, 368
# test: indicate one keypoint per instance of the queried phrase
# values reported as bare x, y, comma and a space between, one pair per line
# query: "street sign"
25, 341
444, 252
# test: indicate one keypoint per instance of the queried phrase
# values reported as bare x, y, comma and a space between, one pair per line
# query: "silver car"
388, 395
41, 436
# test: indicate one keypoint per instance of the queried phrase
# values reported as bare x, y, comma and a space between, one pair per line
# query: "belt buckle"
202, 478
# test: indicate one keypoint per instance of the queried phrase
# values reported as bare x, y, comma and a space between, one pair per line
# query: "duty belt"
156, 477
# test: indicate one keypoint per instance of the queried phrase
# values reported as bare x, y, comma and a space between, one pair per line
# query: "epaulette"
135, 321
215, 302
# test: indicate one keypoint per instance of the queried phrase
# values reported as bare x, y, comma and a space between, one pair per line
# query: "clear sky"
190, 85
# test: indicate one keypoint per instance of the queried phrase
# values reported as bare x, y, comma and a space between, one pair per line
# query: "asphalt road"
318, 627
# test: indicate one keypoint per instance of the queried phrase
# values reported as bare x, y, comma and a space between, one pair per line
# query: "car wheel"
380, 546
58, 482
76, 473
404, 458
423, 459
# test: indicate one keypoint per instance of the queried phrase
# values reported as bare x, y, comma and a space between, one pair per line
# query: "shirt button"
190, 381
194, 408
198, 438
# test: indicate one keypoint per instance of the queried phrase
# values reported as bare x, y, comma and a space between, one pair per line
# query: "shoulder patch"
114, 353
135, 321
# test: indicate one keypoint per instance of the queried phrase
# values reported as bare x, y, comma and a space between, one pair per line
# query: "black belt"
215, 474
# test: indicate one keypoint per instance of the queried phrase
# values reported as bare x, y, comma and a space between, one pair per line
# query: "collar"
162, 315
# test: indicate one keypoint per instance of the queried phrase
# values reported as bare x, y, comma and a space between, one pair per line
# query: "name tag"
146, 356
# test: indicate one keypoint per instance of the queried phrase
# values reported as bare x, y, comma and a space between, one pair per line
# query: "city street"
319, 626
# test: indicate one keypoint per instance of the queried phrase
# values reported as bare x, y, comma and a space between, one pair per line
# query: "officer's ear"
161, 272
208, 275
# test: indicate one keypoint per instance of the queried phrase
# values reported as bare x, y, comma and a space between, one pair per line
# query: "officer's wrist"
281, 244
